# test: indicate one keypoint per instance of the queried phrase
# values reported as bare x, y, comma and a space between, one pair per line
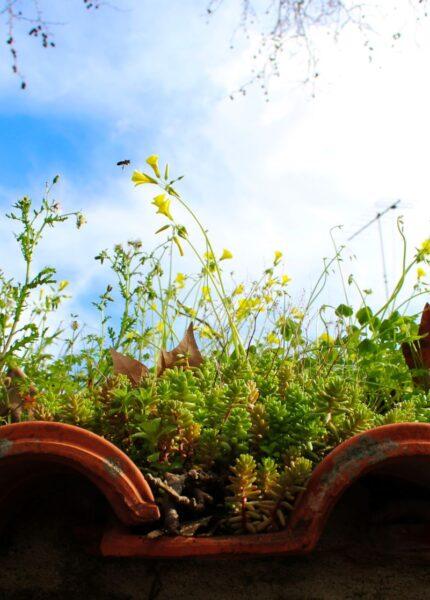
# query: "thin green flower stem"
222, 294
213, 282
406, 302
322, 278
396, 290
338, 261
405, 271
365, 305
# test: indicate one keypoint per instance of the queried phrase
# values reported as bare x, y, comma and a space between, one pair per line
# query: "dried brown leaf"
19, 396
186, 354
417, 355
125, 365
407, 355
424, 330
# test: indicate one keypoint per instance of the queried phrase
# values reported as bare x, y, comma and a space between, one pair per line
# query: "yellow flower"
62, 285
420, 273
285, 279
206, 332
152, 161
153, 307
298, 314
139, 178
425, 247
163, 205
160, 326
273, 339
180, 280
246, 306
210, 262
278, 256
239, 290
326, 338
206, 293
226, 254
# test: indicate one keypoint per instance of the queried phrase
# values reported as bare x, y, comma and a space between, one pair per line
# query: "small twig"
171, 516
160, 484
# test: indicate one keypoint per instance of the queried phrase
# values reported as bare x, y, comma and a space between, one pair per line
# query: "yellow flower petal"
285, 279
206, 332
425, 247
180, 280
273, 339
163, 205
326, 338
278, 256
239, 290
420, 273
247, 305
62, 285
138, 178
152, 161
298, 314
226, 254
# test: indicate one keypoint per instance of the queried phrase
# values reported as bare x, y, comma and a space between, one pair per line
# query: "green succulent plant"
241, 409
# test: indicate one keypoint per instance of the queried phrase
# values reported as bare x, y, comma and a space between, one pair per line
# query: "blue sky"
153, 77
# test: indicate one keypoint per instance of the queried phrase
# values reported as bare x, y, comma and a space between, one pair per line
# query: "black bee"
123, 163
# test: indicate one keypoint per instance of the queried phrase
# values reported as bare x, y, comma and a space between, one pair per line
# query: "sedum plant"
227, 421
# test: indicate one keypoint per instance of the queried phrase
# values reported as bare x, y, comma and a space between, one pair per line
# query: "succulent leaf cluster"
250, 398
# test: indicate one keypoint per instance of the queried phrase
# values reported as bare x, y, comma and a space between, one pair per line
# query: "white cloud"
261, 176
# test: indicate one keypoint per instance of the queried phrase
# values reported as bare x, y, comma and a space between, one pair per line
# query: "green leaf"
153, 457
364, 315
343, 310
163, 228
45, 277
367, 346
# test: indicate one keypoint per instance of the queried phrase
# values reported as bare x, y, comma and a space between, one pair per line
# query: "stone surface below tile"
39, 558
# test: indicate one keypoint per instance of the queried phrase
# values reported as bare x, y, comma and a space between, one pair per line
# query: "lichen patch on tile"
113, 466
5, 446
